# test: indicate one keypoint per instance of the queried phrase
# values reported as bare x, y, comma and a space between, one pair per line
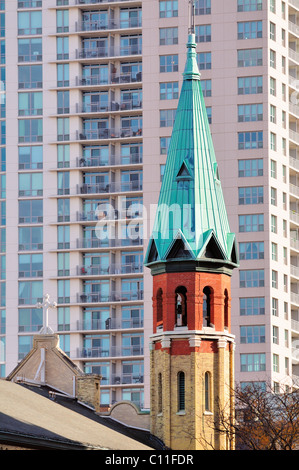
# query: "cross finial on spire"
191, 16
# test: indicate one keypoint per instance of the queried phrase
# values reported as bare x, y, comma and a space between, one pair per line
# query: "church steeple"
191, 219
191, 254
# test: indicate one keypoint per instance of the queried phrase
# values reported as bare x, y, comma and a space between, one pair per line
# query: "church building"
191, 255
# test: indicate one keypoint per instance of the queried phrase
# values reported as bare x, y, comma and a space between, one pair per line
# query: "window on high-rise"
250, 5
206, 86
252, 278
130, 18
31, 265
251, 195
25, 344
30, 292
131, 45
272, 86
63, 129
202, 7
30, 184
169, 90
204, 60
29, 22
253, 362
251, 250
63, 102
30, 130
274, 279
251, 223
63, 210
273, 6
169, 63
168, 36
275, 362
252, 334
167, 117
250, 112
30, 211
252, 306
272, 113
250, 167
250, 140
203, 33
272, 59
30, 319
168, 8
62, 21
30, 238
272, 31
31, 103
30, 50
250, 57
250, 30
30, 76
250, 85
63, 75
62, 48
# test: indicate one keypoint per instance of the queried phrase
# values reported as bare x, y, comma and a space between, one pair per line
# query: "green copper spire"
191, 221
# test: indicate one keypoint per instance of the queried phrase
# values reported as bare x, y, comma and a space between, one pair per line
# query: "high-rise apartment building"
89, 95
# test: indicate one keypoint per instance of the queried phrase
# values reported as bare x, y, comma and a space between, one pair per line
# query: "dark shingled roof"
29, 418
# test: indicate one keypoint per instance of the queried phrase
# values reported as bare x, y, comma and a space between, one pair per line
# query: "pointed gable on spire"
191, 200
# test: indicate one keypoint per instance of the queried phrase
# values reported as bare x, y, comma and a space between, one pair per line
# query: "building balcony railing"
295, 325
98, 52
294, 244
111, 106
294, 189
294, 55
294, 3
30, 3
96, 188
90, 243
108, 134
97, 80
294, 298
111, 160
294, 28
97, 297
95, 2
293, 135
103, 25
294, 216
126, 379
294, 271
109, 352
111, 269
109, 324
294, 162
93, 216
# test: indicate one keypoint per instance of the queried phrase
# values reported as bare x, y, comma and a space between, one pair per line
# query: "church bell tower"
191, 255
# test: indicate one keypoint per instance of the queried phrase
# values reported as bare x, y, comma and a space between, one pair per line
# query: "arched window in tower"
225, 309
181, 391
181, 306
160, 402
159, 299
207, 391
207, 300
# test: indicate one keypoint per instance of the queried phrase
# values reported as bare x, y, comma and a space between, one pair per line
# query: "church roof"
191, 220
